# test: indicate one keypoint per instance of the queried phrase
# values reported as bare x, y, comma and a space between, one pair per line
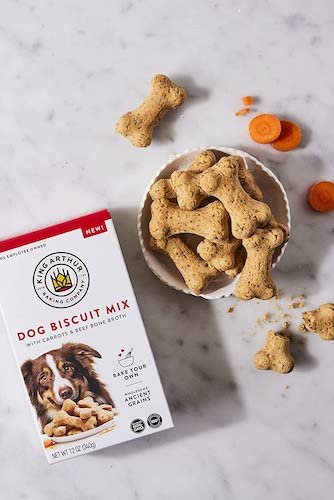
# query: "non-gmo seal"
154, 420
137, 425
61, 280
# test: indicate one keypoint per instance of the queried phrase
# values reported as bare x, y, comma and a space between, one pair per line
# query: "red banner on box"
94, 230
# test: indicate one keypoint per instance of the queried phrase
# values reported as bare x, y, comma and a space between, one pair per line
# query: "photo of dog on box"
66, 392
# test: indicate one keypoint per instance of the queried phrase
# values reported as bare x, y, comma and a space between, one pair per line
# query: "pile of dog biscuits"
220, 202
75, 418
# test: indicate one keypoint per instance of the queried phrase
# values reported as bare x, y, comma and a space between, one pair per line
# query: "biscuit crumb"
262, 320
296, 305
302, 328
291, 298
285, 325
301, 297
287, 387
230, 309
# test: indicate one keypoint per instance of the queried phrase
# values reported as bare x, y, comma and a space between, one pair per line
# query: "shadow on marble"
304, 360
164, 132
187, 346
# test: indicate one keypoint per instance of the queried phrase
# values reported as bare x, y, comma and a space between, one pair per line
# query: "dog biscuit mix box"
79, 339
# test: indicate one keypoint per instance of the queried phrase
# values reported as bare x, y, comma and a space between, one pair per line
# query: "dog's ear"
84, 353
26, 370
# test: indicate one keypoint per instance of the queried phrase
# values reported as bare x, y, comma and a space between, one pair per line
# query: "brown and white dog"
60, 374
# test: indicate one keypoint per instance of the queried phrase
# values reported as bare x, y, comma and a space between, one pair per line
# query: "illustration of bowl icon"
128, 359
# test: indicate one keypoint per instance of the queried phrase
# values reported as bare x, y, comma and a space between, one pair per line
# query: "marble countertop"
68, 71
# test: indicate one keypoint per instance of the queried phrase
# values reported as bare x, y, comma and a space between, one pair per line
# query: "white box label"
77, 333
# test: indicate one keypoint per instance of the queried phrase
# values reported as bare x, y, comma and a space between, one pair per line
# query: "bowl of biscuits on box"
213, 222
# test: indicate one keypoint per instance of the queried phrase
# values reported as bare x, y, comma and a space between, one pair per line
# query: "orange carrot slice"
247, 100
265, 128
290, 137
321, 196
242, 111
48, 443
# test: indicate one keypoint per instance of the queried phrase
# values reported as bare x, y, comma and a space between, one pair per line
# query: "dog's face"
59, 375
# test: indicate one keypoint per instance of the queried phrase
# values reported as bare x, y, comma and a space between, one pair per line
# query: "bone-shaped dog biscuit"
138, 125
49, 428
186, 183
59, 431
63, 418
195, 271
102, 415
84, 413
202, 161
255, 279
188, 191
222, 181
186, 187
210, 222
163, 188
275, 354
220, 256
321, 321
69, 406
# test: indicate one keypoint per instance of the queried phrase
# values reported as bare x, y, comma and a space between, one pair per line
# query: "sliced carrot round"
289, 138
321, 196
265, 128
247, 100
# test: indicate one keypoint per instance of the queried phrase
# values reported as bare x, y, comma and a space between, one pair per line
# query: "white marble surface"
68, 70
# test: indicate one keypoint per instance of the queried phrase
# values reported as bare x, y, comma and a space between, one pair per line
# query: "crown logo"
61, 281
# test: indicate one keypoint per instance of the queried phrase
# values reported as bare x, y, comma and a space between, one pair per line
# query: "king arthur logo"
61, 280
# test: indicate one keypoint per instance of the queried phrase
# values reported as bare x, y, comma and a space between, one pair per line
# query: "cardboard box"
76, 330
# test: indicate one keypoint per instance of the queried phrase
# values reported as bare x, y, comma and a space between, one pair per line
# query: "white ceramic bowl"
162, 266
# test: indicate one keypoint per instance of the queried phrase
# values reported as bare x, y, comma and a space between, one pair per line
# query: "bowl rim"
174, 156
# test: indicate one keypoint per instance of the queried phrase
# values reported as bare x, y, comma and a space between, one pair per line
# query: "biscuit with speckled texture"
222, 181
210, 222
189, 193
240, 259
247, 180
195, 271
255, 279
221, 256
202, 161
163, 188
275, 354
138, 125
321, 321
273, 224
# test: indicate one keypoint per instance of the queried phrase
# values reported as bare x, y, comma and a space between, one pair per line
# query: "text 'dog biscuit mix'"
78, 337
